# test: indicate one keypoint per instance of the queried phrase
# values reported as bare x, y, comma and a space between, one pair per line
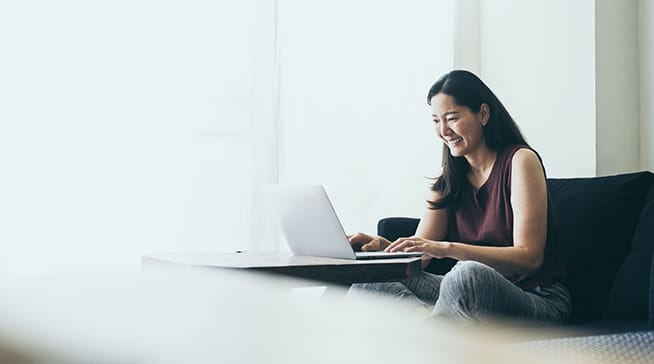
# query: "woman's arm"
432, 226
529, 203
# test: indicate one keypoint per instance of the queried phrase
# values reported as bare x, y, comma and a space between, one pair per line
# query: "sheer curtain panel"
136, 127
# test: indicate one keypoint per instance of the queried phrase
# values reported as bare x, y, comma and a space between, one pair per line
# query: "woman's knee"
389, 289
466, 290
468, 277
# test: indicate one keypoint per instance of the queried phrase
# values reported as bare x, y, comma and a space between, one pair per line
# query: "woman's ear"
484, 112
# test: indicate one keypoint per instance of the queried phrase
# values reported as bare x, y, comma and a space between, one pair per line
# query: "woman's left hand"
435, 249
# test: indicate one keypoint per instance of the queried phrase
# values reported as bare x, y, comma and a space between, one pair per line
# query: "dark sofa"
607, 230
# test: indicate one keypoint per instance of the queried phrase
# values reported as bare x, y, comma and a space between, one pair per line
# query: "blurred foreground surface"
230, 317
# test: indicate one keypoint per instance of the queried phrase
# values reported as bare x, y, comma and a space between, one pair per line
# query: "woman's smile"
454, 142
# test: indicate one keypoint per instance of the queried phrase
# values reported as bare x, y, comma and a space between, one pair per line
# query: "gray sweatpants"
474, 291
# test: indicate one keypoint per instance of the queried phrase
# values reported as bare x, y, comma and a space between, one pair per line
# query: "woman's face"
459, 128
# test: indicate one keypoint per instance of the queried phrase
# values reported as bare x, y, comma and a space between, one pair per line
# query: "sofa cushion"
630, 295
598, 217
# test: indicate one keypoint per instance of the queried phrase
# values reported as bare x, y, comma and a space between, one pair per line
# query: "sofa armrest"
393, 228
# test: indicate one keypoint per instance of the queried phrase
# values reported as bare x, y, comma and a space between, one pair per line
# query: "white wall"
617, 86
577, 77
467, 47
646, 60
538, 56
353, 91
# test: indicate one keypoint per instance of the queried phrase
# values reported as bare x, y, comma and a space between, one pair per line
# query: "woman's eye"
436, 121
450, 120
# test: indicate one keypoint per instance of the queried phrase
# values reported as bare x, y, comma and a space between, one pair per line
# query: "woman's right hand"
367, 243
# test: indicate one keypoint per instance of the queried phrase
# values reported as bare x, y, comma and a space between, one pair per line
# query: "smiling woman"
489, 210
458, 126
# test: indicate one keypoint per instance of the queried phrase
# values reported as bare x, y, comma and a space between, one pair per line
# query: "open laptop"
311, 227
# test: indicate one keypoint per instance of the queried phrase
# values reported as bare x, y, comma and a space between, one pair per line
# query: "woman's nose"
444, 129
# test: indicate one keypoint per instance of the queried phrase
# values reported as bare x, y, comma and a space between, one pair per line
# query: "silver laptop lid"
309, 222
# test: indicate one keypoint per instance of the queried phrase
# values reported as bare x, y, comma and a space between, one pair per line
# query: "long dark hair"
500, 131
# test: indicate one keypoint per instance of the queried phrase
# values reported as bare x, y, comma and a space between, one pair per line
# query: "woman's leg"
475, 291
420, 290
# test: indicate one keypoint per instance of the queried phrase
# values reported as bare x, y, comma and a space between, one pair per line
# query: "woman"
489, 210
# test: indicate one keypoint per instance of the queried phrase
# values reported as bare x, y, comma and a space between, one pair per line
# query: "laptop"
310, 225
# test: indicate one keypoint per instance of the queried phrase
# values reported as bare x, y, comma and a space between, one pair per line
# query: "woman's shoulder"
520, 154
510, 150
526, 162
525, 155
519, 157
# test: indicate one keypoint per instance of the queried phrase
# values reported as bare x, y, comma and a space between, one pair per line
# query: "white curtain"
137, 127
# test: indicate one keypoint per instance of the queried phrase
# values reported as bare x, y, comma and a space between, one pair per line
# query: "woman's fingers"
401, 247
394, 244
367, 243
400, 244
410, 244
373, 246
416, 248
359, 238
370, 247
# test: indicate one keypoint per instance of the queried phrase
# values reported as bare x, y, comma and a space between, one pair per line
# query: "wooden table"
328, 270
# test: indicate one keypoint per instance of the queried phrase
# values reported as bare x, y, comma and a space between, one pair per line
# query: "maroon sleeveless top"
486, 218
